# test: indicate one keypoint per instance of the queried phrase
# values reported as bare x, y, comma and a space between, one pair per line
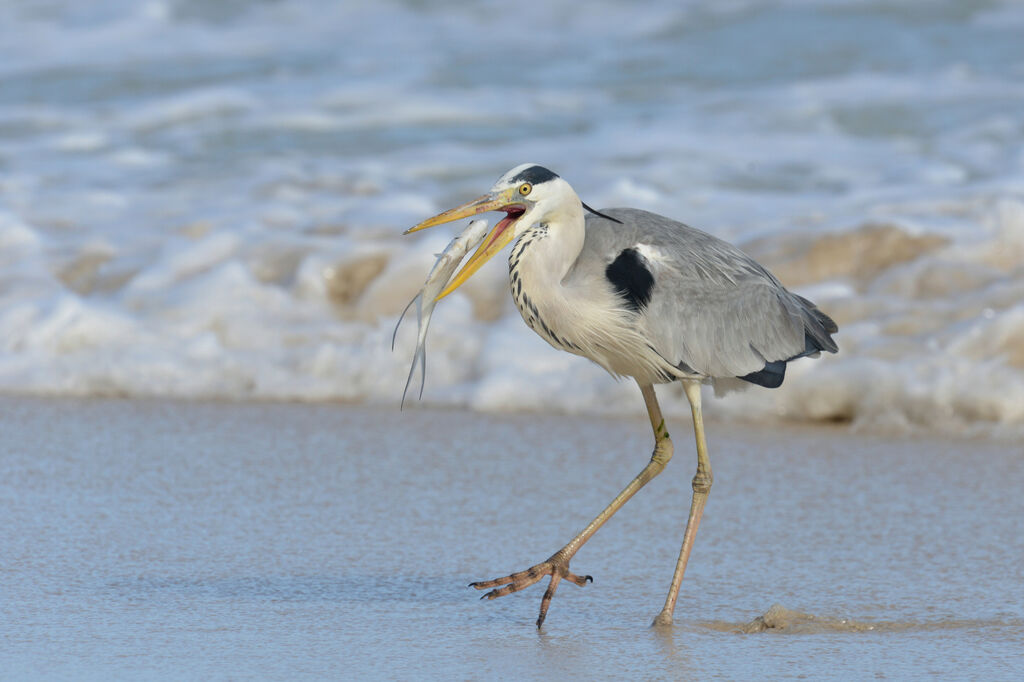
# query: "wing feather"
712, 308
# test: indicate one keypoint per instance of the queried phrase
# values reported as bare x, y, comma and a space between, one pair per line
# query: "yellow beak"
492, 244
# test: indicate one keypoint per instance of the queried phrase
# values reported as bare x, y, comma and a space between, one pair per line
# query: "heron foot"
664, 619
557, 569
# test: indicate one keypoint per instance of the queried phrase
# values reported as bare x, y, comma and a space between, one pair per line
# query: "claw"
523, 579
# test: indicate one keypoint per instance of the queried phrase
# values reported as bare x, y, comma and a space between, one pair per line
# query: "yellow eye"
525, 188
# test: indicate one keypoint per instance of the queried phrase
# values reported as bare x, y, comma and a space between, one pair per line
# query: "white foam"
205, 201
15, 235
186, 261
179, 109
83, 141
138, 158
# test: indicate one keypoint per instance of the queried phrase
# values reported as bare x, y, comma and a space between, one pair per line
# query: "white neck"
548, 249
538, 266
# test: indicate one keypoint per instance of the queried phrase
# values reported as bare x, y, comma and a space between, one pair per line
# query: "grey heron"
645, 297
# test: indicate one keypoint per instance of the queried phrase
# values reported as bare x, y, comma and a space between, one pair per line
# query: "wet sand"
174, 540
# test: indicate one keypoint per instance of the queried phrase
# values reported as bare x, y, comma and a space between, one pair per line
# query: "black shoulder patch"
769, 377
534, 175
629, 275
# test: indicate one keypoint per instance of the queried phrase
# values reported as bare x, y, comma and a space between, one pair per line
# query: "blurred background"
205, 199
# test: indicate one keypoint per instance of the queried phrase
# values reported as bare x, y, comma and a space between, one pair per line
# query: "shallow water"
164, 540
205, 199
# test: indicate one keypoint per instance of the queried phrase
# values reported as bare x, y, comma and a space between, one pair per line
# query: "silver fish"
447, 261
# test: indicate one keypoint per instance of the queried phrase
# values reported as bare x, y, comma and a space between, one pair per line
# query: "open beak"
507, 201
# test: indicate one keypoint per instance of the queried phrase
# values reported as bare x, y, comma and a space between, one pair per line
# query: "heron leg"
701, 487
557, 566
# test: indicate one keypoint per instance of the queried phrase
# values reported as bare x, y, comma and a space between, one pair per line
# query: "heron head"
528, 194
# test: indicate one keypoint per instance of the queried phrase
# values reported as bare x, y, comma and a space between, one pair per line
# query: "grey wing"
712, 310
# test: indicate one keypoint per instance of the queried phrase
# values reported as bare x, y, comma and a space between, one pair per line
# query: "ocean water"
205, 199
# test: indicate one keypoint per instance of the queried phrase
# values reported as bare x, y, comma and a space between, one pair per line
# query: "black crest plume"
606, 217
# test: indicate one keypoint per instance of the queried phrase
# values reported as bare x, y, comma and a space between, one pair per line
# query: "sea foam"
204, 202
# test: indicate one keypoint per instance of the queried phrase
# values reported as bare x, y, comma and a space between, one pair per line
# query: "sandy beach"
189, 540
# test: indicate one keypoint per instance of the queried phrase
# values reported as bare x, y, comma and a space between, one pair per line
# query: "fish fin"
408, 380
394, 334
423, 367
419, 356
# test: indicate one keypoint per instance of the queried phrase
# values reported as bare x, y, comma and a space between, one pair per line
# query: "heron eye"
525, 188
